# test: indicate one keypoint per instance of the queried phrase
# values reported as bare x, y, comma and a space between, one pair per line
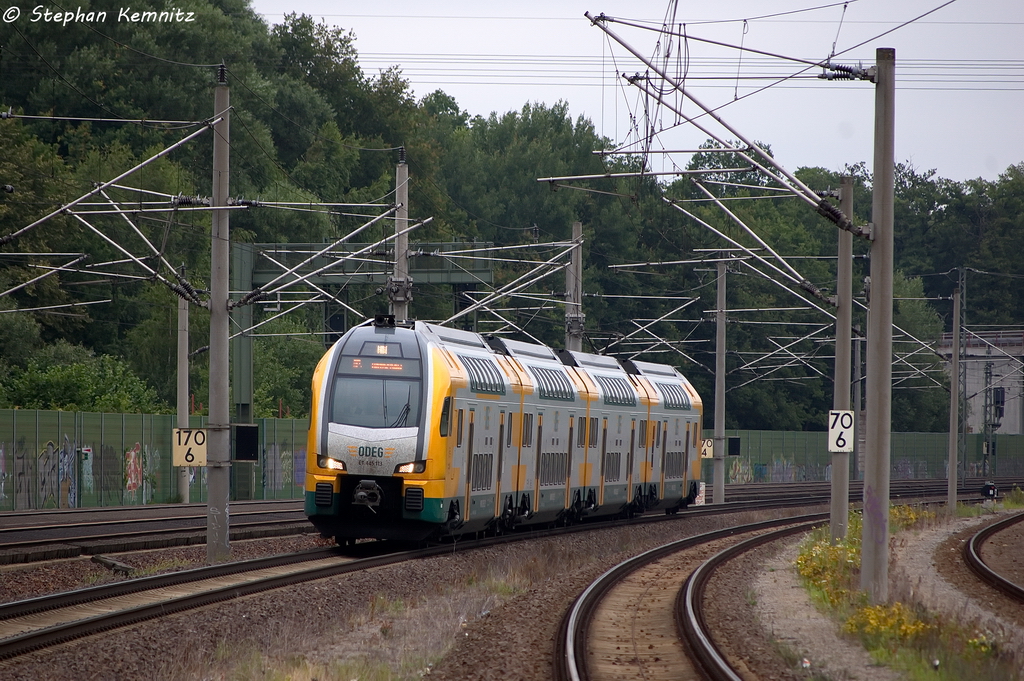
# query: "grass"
904, 636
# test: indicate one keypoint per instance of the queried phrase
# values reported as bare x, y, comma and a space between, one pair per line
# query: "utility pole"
840, 509
574, 317
719, 451
954, 408
183, 385
400, 285
961, 433
857, 405
218, 441
874, 576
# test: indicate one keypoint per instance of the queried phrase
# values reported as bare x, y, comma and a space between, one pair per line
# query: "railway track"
46, 535
40, 622
974, 560
635, 621
49, 620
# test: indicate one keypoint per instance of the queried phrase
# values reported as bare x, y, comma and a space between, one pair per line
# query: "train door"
630, 459
602, 470
663, 426
536, 445
589, 483
499, 473
571, 456
523, 474
470, 451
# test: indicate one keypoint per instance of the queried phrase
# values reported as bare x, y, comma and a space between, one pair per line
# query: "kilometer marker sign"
840, 431
188, 447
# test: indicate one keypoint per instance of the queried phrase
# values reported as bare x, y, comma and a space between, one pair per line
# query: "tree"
87, 383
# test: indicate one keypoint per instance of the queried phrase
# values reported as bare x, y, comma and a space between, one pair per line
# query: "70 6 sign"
189, 447
840, 431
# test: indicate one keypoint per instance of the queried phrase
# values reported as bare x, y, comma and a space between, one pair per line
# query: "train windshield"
373, 402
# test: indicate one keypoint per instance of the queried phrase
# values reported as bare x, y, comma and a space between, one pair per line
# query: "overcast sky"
960, 70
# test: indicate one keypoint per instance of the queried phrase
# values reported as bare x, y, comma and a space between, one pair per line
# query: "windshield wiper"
403, 415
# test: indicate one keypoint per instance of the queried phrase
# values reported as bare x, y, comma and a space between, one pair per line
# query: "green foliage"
283, 369
309, 125
69, 378
897, 634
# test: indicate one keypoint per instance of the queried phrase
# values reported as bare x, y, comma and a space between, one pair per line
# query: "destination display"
396, 366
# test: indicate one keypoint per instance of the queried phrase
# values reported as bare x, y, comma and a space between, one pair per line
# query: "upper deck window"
675, 396
553, 384
484, 376
617, 391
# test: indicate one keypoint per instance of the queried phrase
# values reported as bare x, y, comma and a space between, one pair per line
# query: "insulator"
828, 210
182, 200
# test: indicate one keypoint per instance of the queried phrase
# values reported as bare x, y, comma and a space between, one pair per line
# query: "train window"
375, 402
642, 434
593, 432
581, 437
675, 396
446, 418
657, 434
527, 430
508, 431
619, 431
553, 384
616, 391
484, 376
458, 436
487, 418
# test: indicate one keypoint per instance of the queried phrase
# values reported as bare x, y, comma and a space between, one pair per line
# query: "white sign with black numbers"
188, 447
707, 448
840, 431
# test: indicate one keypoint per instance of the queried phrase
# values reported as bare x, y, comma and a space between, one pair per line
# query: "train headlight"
411, 467
330, 464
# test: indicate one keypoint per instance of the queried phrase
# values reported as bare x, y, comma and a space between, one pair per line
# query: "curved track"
972, 556
625, 619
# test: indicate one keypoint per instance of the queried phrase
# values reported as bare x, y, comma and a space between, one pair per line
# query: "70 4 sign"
840, 431
189, 447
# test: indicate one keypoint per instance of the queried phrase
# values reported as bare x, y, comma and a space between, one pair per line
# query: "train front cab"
371, 469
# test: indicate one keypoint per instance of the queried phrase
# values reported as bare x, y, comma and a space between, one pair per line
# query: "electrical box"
734, 446
245, 442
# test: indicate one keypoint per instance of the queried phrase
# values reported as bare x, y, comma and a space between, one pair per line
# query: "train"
420, 432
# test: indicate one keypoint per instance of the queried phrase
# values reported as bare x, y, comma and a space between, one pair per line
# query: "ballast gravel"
488, 613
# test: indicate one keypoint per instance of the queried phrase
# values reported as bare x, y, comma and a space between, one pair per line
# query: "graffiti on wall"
111, 479
140, 473
3, 472
150, 468
132, 470
299, 466
283, 465
57, 476
67, 474
24, 474
739, 471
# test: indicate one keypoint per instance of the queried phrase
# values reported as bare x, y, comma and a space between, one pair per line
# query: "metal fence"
59, 459
793, 456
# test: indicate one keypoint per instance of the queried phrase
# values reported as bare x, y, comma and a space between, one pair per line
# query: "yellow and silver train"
418, 431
